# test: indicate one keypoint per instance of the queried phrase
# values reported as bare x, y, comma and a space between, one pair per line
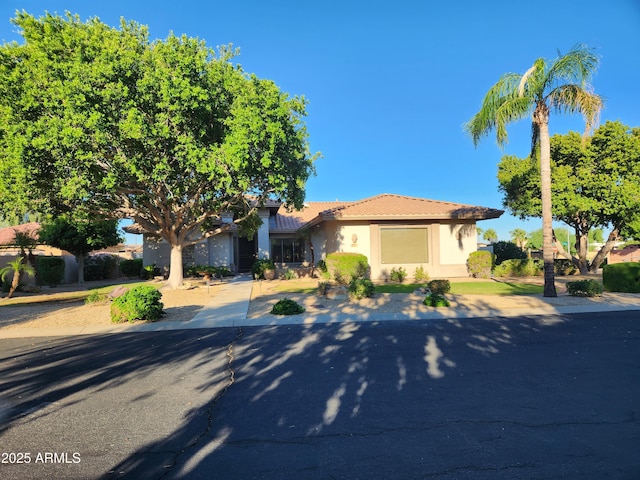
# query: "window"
287, 250
404, 245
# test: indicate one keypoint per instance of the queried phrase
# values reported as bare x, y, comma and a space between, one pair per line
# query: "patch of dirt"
44, 312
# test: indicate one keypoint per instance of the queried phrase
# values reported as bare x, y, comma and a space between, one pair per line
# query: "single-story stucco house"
391, 230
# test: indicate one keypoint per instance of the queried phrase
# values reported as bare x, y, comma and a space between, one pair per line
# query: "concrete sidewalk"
230, 306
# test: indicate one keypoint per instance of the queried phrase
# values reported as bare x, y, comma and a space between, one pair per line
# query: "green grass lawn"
458, 288
469, 288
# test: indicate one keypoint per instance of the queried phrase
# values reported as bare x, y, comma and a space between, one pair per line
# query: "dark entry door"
247, 253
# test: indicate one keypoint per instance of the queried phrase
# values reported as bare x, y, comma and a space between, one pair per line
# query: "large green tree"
79, 237
595, 184
169, 132
559, 85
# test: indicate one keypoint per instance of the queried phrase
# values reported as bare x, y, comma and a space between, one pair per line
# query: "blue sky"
390, 84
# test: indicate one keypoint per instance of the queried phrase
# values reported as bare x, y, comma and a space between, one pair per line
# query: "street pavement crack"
209, 408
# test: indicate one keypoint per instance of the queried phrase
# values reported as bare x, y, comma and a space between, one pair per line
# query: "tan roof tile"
382, 207
8, 234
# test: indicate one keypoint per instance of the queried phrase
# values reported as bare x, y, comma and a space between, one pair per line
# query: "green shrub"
479, 264
148, 272
436, 300
507, 251
439, 287
420, 274
289, 274
131, 268
51, 270
323, 288
360, 288
398, 274
584, 288
343, 267
139, 303
96, 297
100, 267
260, 265
563, 266
519, 268
622, 277
287, 307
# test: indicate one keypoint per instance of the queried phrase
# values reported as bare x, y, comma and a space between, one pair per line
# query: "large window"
404, 245
287, 250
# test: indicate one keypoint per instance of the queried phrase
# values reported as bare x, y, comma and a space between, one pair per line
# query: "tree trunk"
604, 251
541, 118
15, 283
80, 259
582, 244
176, 275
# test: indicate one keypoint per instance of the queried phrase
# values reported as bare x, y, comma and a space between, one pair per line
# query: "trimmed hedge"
622, 277
584, 288
439, 287
100, 267
131, 268
479, 264
139, 303
344, 267
507, 251
51, 270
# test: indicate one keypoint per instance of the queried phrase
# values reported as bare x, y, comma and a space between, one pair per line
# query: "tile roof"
8, 234
382, 207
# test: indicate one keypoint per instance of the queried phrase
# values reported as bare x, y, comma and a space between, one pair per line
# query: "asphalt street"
535, 397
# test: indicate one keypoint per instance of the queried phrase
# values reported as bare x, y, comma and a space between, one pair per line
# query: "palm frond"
576, 66
576, 99
495, 109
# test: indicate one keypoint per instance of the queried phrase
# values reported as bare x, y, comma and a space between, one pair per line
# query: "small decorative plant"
436, 300
420, 275
360, 288
323, 287
439, 287
398, 274
288, 274
287, 307
584, 288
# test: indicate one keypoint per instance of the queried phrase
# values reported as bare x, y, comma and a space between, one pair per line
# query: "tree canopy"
595, 184
168, 132
79, 237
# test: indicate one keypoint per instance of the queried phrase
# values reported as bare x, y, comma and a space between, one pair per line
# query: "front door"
247, 253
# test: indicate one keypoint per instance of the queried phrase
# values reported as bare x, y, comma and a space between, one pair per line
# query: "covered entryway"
247, 253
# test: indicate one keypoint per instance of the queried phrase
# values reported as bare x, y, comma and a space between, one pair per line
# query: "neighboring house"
391, 230
8, 250
630, 253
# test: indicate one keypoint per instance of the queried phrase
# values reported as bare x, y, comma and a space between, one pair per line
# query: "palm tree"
15, 267
559, 86
490, 235
519, 237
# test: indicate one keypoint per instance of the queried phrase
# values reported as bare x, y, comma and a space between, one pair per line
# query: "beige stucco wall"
457, 241
220, 251
450, 244
341, 237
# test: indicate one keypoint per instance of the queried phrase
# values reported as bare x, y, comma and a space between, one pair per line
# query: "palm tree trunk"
547, 213
15, 283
